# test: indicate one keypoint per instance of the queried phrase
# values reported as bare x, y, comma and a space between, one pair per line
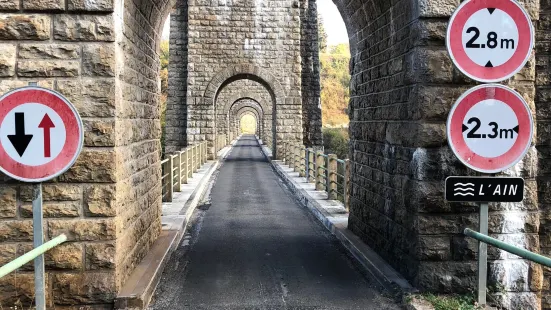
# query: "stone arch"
246, 105
244, 71
249, 111
265, 124
257, 74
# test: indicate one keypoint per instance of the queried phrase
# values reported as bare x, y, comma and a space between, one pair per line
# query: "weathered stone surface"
7, 85
24, 27
84, 288
8, 203
54, 192
7, 59
82, 230
9, 5
92, 166
99, 132
48, 68
434, 248
18, 289
49, 51
449, 277
100, 256
91, 97
16, 230
437, 8
44, 5
99, 200
84, 28
8, 252
91, 6
98, 60
67, 209
65, 256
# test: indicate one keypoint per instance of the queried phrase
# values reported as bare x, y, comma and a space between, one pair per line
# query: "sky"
334, 25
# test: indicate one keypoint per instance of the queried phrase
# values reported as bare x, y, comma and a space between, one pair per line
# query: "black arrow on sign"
20, 140
464, 127
516, 129
489, 64
491, 10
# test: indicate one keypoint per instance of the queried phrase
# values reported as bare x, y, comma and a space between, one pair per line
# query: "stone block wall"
235, 36
543, 144
403, 86
102, 56
231, 94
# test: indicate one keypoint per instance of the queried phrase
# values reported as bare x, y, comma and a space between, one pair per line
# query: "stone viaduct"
260, 56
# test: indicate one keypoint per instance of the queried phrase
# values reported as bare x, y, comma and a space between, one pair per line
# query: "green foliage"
335, 141
335, 84
452, 302
163, 57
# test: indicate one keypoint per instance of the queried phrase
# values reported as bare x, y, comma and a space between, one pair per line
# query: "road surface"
253, 247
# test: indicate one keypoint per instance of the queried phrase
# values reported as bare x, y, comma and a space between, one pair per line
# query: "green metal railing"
537, 258
327, 172
31, 255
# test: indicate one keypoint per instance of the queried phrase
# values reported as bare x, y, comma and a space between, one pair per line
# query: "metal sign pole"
38, 239
482, 255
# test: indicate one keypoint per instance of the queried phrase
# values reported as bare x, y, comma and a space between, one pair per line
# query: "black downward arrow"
20, 140
491, 10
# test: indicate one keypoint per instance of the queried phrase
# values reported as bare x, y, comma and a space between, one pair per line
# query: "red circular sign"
41, 134
490, 128
490, 40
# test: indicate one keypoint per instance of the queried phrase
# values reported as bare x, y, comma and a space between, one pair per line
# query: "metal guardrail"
537, 258
31, 255
178, 168
327, 172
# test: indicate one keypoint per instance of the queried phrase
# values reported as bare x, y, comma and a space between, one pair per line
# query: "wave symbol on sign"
463, 189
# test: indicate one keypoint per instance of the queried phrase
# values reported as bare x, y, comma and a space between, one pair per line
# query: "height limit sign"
41, 134
490, 40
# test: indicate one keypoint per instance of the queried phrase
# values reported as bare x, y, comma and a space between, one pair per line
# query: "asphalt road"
253, 247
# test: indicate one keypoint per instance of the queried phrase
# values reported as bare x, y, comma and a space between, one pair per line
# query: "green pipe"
540, 259
29, 256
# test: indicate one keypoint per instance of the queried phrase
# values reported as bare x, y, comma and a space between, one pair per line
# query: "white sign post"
41, 136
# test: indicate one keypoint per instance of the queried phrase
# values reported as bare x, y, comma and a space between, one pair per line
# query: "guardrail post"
311, 165
170, 187
346, 184
189, 152
205, 156
297, 158
307, 164
184, 174
198, 153
291, 156
302, 172
331, 184
320, 162
178, 176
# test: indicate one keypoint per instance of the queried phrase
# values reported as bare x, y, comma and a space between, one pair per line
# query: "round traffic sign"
490, 128
490, 40
41, 134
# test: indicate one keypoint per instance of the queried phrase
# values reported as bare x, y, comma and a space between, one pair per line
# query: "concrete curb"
138, 290
385, 275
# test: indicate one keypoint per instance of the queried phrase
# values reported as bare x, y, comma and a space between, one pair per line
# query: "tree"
322, 35
335, 83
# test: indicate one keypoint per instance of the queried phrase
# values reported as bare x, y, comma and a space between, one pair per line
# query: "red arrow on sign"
46, 124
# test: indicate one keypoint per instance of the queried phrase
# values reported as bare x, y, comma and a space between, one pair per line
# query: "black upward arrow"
491, 10
20, 140
489, 64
